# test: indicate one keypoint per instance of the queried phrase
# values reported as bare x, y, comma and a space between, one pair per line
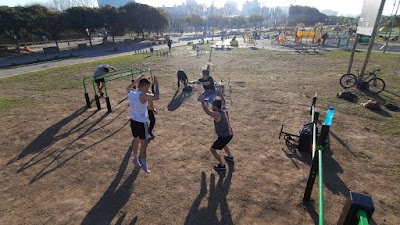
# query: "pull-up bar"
111, 76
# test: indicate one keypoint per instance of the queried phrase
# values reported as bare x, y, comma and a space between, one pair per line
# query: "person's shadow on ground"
114, 198
217, 197
49, 136
178, 99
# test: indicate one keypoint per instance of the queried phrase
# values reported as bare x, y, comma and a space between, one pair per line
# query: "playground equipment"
315, 35
358, 209
115, 75
234, 42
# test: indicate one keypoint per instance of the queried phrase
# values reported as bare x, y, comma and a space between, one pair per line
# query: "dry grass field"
63, 163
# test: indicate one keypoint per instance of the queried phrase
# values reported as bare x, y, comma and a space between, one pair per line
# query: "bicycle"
375, 84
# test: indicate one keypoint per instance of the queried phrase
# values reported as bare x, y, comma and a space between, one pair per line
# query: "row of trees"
218, 21
37, 20
297, 14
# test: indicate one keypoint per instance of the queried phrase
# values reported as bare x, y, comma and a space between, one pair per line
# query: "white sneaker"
144, 167
136, 162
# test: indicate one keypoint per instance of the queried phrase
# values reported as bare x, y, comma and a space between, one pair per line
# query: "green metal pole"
94, 88
362, 217
105, 88
321, 186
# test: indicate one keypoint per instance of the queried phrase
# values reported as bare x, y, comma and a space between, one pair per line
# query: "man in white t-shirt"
138, 100
98, 76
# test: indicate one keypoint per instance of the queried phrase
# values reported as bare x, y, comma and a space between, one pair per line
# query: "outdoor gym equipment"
317, 149
358, 209
370, 82
111, 76
304, 139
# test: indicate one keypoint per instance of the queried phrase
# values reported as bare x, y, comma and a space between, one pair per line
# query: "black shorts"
99, 80
140, 130
221, 142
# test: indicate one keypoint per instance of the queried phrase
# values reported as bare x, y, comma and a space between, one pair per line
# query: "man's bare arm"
222, 100
214, 115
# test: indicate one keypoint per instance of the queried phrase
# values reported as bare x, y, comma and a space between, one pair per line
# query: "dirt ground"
63, 163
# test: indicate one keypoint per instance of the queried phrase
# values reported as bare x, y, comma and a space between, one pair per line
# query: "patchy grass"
7, 103
83, 156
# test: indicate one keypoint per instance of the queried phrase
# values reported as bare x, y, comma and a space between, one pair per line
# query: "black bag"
306, 138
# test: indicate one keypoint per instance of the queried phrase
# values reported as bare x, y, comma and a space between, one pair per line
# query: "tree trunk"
113, 37
55, 39
142, 35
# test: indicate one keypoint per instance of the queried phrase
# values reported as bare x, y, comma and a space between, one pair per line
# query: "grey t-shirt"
99, 71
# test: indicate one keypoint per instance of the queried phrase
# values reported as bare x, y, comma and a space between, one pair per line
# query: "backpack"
348, 96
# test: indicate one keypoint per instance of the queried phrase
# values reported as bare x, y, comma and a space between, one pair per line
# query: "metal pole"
210, 54
321, 186
353, 51
372, 39
391, 26
363, 219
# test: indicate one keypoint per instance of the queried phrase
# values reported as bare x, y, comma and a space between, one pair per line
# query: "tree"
218, 21
12, 23
112, 20
36, 17
195, 21
230, 8
237, 21
255, 20
305, 14
55, 25
158, 22
177, 22
84, 20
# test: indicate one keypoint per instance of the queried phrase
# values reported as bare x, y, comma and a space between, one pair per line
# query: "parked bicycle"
375, 84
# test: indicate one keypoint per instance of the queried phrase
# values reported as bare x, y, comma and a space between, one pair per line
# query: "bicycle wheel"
376, 85
348, 80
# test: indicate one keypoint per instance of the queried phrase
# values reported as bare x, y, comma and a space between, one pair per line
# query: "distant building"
251, 8
185, 9
115, 3
329, 12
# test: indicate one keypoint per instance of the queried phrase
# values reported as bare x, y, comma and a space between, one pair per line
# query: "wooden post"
372, 39
353, 51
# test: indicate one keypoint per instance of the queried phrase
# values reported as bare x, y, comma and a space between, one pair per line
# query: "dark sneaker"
220, 167
227, 158
101, 94
151, 136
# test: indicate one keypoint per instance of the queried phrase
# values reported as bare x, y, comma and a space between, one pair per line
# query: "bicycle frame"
361, 78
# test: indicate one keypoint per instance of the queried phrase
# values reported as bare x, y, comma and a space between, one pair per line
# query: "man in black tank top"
222, 128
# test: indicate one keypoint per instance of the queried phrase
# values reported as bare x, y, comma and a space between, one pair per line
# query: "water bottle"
329, 116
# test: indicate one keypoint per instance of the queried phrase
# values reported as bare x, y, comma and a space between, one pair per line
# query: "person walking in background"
138, 100
324, 37
169, 44
98, 76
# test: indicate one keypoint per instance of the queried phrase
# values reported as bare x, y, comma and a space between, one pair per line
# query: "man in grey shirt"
98, 76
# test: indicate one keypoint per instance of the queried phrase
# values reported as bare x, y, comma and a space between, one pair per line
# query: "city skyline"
343, 7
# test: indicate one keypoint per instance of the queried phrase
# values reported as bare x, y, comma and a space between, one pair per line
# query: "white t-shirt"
138, 110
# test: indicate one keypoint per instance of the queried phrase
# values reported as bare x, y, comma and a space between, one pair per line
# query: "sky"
352, 7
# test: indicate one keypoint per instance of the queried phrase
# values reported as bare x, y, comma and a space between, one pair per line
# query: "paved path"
103, 52
86, 55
